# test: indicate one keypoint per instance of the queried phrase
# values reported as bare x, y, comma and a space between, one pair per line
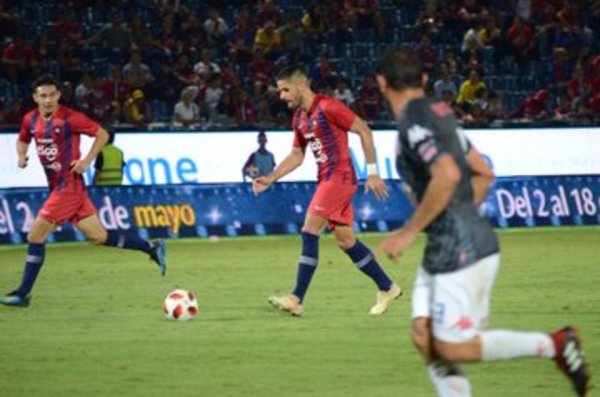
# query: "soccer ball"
180, 305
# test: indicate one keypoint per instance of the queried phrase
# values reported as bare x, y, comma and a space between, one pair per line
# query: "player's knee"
345, 242
35, 238
451, 352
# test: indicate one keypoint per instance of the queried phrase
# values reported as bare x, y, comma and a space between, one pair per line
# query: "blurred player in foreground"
448, 179
322, 123
57, 131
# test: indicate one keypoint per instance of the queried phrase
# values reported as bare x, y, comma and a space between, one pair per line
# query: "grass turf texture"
95, 326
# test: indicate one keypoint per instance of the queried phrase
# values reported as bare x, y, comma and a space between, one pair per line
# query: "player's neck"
401, 99
307, 100
48, 116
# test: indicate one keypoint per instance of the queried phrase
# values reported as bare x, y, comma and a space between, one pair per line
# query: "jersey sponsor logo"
418, 134
57, 130
49, 152
317, 148
55, 166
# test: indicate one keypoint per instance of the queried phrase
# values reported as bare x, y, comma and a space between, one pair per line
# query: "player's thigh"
460, 301
314, 224
92, 228
40, 230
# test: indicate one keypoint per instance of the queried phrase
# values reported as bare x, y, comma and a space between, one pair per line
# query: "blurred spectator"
113, 36
368, 104
186, 111
269, 13
245, 113
313, 23
260, 69
211, 94
194, 37
291, 38
165, 41
97, 105
534, 107
444, 83
141, 38
430, 21
340, 30
137, 111
166, 86
322, 74
14, 114
268, 40
426, 53
496, 109
364, 14
215, 26
83, 88
260, 162
116, 89
18, 60
69, 61
184, 71
343, 93
66, 28
206, 67
137, 73
9, 20
109, 164
240, 39
521, 39
67, 95
466, 93
560, 70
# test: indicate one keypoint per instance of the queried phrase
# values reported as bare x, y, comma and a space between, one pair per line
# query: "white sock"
502, 345
449, 380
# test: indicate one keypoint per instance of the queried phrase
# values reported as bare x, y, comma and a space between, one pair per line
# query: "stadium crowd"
207, 64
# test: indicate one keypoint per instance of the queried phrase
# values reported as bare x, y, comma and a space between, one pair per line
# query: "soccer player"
448, 178
322, 123
56, 131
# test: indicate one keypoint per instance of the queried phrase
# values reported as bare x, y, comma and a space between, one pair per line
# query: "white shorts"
458, 303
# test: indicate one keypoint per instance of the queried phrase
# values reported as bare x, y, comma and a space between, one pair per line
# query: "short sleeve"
25, 132
82, 124
340, 114
423, 143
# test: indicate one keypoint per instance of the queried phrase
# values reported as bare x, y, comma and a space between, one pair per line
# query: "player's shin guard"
363, 258
307, 264
35, 260
127, 241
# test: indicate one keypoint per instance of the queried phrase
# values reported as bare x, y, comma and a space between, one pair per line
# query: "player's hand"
79, 166
375, 184
396, 242
260, 184
22, 162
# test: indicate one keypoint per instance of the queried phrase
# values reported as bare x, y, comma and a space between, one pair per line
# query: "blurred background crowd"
208, 64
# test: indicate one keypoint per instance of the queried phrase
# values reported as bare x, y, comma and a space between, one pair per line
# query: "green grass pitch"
95, 326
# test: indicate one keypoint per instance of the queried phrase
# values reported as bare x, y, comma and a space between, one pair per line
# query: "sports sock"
363, 258
502, 345
449, 380
127, 241
35, 259
307, 264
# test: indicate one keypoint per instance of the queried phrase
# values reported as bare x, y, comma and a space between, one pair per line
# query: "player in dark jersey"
322, 123
56, 131
448, 178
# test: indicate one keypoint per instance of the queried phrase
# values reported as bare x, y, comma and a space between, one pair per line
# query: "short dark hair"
289, 71
46, 79
402, 69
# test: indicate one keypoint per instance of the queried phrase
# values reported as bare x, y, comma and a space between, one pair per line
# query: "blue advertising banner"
232, 209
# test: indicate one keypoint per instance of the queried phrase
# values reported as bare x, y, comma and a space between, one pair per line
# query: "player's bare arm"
445, 176
22, 158
482, 177
81, 165
373, 183
289, 164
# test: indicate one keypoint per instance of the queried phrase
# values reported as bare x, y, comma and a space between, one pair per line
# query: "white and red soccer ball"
181, 305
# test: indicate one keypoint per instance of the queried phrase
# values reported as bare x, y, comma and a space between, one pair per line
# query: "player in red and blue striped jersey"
322, 124
57, 131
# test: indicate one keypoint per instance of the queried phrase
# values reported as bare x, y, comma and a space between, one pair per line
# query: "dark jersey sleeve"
424, 140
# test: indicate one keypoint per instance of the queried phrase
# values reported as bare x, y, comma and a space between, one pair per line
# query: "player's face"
288, 92
46, 97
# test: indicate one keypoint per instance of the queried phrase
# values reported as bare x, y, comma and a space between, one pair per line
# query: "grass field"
95, 326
